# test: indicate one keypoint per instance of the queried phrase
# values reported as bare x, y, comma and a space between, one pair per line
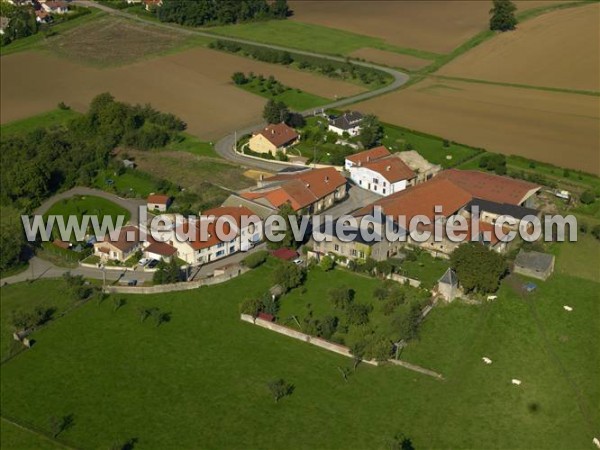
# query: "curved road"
225, 145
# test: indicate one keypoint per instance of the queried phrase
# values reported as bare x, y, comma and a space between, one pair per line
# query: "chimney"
388, 168
368, 158
326, 179
307, 185
261, 177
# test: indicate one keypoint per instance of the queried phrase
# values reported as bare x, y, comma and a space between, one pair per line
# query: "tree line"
198, 13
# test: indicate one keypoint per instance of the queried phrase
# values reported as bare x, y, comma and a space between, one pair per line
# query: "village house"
309, 191
159, 251
158, 202
209, 247
273, 138
440, 200
349, 123
55, 7
120, 249
378, 171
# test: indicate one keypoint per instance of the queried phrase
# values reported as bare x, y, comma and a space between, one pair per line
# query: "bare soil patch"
435, 26
558, 128
194, 84
559, 49
114, 41
391, 59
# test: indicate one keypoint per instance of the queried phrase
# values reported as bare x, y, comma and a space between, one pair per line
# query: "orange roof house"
314, 189
367, 156
158, 202
273, 138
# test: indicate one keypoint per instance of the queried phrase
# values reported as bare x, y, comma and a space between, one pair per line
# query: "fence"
183, 286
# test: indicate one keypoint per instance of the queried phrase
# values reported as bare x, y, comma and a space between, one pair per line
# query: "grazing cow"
568, 308
596, 442
516, 382
486, 360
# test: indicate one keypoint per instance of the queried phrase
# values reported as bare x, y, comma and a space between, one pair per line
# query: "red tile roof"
300, 189
279, 134
287, 254
129, 237
421, 200
490, 187
392, 169
161, 248
61, 244
159, 199
369, 155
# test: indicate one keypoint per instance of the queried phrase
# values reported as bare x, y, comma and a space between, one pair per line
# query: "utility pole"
235, 141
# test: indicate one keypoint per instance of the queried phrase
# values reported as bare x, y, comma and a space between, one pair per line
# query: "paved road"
130, 204
225, 145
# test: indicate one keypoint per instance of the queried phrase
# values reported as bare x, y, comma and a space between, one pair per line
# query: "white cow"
516, 382
568, 308
486, 360
492, 297
596, 442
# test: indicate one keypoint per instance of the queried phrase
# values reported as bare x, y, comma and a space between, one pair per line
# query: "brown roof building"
273, 138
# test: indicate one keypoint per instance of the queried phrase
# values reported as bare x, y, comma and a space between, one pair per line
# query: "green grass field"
132, 182
192, 144
296, 99
15, 438
200, 380
88, 205
430, 147
57, 117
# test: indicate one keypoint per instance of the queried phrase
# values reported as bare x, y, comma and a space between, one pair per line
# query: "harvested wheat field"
415, 24
391, 59
560, 49
194, 84
554, 127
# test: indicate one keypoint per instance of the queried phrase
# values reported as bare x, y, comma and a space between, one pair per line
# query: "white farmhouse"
379, 172
349, 122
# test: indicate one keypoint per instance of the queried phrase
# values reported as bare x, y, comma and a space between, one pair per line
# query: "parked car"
142, 262
152, 264
132, 283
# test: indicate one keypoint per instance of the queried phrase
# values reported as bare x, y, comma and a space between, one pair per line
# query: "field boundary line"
38, 432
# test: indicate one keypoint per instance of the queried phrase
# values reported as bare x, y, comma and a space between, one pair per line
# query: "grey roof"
260, 210
449, 277
534, 260
347, 120
502, 209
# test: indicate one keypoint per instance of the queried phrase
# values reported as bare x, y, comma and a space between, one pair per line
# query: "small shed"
285, 254
128, 164
534, 264
448, 285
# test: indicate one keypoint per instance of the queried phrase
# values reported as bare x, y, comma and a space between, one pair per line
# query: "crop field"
557, 49
406, 24
203, 95
554, 127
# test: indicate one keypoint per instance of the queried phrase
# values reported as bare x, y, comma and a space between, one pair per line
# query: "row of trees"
197, 13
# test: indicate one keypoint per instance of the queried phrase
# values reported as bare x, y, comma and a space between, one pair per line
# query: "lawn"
424, 268
133, 183
192, 144
296, 99
432, 148
88, 205
199, 381
26, 297
14, 438
579, 259
57, 117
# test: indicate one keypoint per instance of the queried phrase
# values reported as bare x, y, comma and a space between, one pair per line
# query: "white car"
298, 261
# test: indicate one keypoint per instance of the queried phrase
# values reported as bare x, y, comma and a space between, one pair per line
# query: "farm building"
349, 122
273, 138
158, 202
534, 264
447, 285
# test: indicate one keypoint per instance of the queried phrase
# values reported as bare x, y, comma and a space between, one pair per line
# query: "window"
232, 249
353, 252
336, 248
361, 255
384, 191
220, 252
220, 245
375, 181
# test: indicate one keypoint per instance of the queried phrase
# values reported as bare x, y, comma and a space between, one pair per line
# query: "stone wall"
400, 279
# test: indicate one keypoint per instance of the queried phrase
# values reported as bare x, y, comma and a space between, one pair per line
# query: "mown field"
553, 50
200, 379
554, 127
87, 205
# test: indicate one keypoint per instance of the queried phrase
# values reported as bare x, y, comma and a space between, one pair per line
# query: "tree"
289, 275
280, 9
588, 197
12, 239
358, 313
596, 232
371, 131
327, 327
327, 263
118, 303
255, 259
406, 325
384, 268
167, 273
401, 442
503, 16
239, 78
379, 349
251, 306
478, 268
287, 212
380, 292
295, 120
280, 388
341, 297
275, 112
